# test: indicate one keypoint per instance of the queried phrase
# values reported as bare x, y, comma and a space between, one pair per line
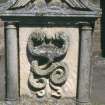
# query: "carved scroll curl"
54, 71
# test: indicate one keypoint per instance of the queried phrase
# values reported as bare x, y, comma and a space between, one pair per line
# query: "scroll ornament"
54, 71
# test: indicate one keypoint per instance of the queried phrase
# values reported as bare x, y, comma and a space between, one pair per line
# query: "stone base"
26, 100
83, 104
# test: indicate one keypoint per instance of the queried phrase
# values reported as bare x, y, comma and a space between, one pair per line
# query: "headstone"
48, 50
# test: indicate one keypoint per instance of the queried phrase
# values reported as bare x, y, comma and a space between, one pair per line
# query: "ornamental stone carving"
47, 8
76, 4
53, 69
47, 66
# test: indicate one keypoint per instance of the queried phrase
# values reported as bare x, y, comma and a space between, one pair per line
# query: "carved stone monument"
47, 49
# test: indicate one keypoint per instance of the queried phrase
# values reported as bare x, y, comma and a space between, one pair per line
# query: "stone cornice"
67, 8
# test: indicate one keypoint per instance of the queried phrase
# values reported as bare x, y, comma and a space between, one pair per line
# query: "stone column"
83, 90
12, 66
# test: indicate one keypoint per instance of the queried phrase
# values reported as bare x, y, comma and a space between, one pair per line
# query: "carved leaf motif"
21, 3
5, 4
75, 4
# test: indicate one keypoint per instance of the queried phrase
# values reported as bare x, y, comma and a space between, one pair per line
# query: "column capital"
85, 25
11, 24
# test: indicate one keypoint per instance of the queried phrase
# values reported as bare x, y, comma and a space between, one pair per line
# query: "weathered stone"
97, 38
12, 66
71, 59
71, 13
2, 62
83, 93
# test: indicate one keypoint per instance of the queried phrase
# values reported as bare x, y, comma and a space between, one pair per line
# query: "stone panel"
69, 89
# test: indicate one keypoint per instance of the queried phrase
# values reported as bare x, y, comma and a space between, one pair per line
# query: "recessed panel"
55, 52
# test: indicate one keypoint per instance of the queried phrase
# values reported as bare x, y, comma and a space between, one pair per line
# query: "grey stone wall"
96, 2
97, 38
2, 62
97, 33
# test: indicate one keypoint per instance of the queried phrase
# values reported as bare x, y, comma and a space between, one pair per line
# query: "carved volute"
53, 49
